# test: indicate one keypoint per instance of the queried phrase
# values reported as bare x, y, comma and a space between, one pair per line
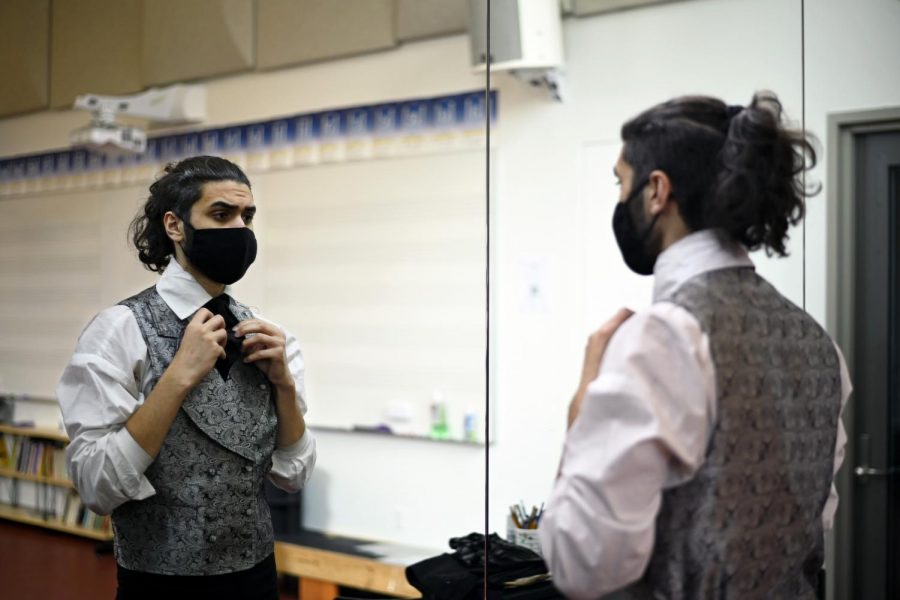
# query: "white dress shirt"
644, 427
107, 380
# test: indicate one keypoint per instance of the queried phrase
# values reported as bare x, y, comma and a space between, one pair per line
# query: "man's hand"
265, 347
593, 356
201, 346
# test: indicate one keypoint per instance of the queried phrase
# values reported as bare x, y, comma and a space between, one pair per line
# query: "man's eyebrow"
223, 204
230, 206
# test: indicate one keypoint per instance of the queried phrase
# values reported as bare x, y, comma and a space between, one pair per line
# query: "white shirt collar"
692, 255
181, 291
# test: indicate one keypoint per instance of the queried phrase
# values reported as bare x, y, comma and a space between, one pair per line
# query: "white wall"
556, 191
552, 206
557, 195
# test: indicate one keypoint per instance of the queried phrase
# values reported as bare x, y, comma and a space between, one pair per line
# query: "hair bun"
733, 110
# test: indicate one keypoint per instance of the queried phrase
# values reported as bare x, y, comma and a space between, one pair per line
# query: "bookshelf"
37, 456
33, 517
35, 432
11, 474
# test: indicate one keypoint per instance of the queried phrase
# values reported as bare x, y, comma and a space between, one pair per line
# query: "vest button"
212, 538
248, 468
212, 471
262, 386
249, 511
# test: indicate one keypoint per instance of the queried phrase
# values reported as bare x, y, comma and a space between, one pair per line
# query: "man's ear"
660, 191
174, 227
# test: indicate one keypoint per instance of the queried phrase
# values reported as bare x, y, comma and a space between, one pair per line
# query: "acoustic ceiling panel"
96, 48
298, 31
427, 18
197, 39
24, 55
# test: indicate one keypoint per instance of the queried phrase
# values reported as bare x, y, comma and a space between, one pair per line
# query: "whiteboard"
63, 257
376, 266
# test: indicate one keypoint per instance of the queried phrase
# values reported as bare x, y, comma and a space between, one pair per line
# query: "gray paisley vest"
209, 514
749, 524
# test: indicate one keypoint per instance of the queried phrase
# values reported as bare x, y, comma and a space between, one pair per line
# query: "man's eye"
220, 215
248, 218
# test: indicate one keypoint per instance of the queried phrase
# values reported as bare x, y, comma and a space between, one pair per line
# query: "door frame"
843, 129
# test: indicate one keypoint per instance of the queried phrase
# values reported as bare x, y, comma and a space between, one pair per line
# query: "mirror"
361, 127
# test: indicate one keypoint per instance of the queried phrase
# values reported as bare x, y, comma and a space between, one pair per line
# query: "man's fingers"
204, 318
262, 340
623, 315
215, 323
221, 337
615, 322
256, 326
620, 317
202, 315
264, 354
596, 346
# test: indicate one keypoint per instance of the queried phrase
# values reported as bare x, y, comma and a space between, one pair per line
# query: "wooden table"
324, 562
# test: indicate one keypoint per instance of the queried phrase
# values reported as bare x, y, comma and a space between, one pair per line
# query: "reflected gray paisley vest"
749, 524
209, 514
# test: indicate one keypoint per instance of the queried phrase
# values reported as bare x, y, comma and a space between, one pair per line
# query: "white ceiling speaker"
525, 39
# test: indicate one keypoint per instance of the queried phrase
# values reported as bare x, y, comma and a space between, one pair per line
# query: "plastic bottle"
470, 425
439, 428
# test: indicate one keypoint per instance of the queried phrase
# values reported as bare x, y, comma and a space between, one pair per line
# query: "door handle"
863, 471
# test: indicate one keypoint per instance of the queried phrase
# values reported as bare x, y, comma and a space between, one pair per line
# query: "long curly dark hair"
176, 190
734, 169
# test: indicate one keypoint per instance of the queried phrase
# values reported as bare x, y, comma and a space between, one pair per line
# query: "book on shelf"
5, 453
45, 458
75, 513
70, 513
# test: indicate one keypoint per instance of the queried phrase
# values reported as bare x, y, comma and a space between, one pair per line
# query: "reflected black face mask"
633, 243
222, 254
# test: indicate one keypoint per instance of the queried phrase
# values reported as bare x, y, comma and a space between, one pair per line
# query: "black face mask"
222, 254
633, 243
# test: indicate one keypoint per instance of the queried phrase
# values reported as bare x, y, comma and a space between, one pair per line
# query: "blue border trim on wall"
414, 126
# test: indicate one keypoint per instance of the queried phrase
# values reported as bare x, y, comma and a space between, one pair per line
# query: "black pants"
256, 583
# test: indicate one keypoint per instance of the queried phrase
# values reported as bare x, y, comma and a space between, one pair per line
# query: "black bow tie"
221, 305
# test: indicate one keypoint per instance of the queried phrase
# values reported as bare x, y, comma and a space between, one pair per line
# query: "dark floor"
39, 564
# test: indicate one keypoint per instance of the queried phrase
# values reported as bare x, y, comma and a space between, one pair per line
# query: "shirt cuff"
298, 448
136, 456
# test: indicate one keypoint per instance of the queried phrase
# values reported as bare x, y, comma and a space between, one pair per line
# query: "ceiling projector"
110, 138
174, 105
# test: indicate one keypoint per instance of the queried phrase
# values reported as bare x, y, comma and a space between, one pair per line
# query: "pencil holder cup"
527, 538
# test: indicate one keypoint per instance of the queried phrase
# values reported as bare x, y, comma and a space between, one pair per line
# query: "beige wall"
95, 48
50, 52
24, 60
